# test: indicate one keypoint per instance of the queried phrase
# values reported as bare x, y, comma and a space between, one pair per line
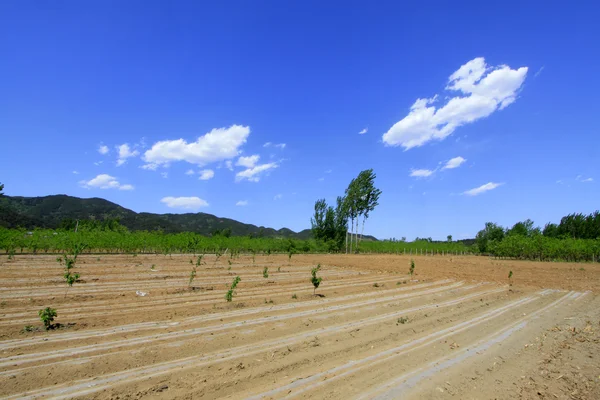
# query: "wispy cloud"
189, 172
102, 149
253, 174
206, 174
248, 162
164, 174
539, 71
482, 89
580, 178
242, 203
365, 130
454, 163
482, 189
76, 172
278, 145
421, 173
278, 196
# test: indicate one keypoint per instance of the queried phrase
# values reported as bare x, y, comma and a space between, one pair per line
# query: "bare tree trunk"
363, 228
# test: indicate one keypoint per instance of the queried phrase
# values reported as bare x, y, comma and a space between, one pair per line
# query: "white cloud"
125, 152
189, 172
76, 172
248, 162
229, 165
149, 167
328, 171
582, 179
485, 89
102, 149
482, 189
242, 203
279, 145
98, 163
365, 130
421, 173
206, 174
105, 181
217, 145
253, 174
454, 163
321, 179
164, 174
278, 196
185, 203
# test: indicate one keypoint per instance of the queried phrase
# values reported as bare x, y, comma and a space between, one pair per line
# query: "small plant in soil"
294, 296
265, 272
192, 276
218, 255
278, 269
47, 316
199, 260
510, 275
153, 267
411, 270
231, 292
316, 281
229, 262
376, 284
253, 256
402, 320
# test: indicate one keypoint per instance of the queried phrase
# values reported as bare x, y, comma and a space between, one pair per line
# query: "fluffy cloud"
454, 163
217, 145
484, 90
103, 149
125, 152
482, 189
242, 203
279, 145
421, 173
248, 162
105, 181
185, 203
363, 131
253, 174
189, 172
206, 174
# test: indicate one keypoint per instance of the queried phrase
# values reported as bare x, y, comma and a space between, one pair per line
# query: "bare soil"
455, 329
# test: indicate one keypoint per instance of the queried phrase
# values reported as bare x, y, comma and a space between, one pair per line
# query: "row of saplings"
48, 314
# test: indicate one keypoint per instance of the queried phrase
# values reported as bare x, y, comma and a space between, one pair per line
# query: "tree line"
575, 238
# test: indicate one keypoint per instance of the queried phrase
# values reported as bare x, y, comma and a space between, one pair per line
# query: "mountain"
50, 211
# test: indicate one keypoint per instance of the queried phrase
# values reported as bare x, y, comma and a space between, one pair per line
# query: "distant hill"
50, 211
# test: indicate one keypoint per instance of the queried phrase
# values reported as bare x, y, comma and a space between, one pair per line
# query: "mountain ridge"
50, 211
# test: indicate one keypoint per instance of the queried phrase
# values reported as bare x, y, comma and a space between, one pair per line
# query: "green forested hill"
50, 211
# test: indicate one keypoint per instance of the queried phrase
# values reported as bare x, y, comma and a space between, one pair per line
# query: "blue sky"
508, 92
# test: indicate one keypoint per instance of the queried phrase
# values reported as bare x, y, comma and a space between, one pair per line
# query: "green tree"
449, 238
1, 189
491, 232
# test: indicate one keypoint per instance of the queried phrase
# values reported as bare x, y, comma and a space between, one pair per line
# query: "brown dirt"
455, 329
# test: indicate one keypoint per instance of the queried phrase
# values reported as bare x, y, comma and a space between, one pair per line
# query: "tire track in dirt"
88, 386
165, 302
301, 385
398, 387
7, 344
179, 335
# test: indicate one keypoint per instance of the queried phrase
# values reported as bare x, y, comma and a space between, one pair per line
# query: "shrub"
231, 292
47, 316
192, 276
316, 281
265, 272
411, 270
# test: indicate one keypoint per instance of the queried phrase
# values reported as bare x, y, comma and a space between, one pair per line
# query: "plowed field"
134, 328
